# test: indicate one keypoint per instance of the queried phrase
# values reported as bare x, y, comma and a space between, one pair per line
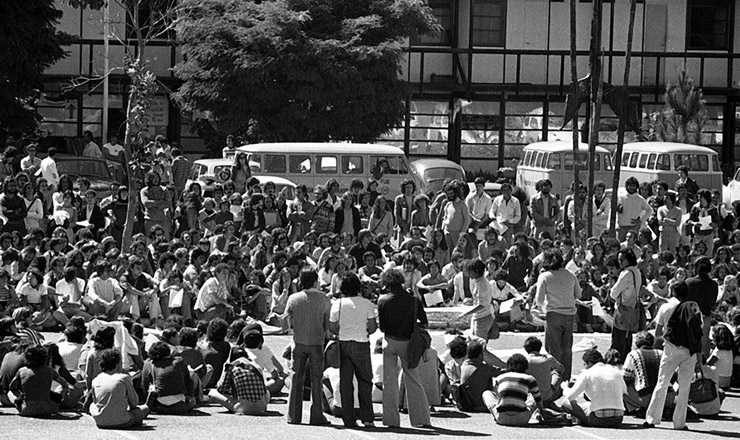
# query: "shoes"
351, 425
647, 425
322, 423
685, 428
425, 426
368, 424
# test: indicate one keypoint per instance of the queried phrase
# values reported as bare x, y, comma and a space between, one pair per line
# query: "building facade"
502, 68
493, 81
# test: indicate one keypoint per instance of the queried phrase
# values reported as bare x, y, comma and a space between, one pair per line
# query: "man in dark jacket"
683, 324
703, 290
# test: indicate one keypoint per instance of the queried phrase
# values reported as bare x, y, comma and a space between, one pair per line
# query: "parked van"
650, 161
554, 160
316, 163
208, 172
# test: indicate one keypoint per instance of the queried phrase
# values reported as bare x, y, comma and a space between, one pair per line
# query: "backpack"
684, 328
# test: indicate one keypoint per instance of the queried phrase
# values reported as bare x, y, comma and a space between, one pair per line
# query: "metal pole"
106, 53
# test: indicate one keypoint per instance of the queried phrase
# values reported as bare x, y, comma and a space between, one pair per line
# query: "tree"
289, 70
684, 115
146, 20
576, 98
29, 44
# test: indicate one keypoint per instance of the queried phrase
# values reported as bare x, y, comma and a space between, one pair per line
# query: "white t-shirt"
352, 318
113, 149
65, 289
33, 296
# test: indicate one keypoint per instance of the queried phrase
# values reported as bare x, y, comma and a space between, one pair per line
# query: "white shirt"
92, 150
503, 211
479, 205
48, 170
262, 357
352, 314
113, 149
66, 289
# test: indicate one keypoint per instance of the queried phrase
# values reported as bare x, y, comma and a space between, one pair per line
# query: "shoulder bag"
420, 340
703, 390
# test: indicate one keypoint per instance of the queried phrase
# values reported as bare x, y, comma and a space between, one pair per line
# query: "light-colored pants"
417, 398
674, 358
508, 418
669, 239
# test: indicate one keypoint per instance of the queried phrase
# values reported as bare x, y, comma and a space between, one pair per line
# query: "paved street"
214, 422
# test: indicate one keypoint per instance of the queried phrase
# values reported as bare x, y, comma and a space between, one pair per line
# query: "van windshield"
695, 162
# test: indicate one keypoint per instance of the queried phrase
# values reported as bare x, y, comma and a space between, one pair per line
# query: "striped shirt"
512, 390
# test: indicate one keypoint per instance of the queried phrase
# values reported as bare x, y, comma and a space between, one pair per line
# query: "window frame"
317, 164
301, 155
444, 38
474, 41
691, 6
345, 159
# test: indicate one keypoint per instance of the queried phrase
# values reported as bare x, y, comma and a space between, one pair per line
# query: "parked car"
94, 169
208, 172
433, 172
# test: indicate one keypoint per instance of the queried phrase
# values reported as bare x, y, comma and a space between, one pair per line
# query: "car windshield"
84, 168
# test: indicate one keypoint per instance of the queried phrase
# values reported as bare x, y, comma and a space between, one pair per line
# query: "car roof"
214, 162
274, 179
435, 163
661, 147
562, 146
72, 157
318, 147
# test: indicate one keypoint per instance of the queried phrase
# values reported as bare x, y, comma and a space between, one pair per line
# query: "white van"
554, 161
208, 172
651, 161
312, 164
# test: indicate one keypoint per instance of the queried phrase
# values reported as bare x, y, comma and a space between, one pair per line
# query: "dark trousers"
355, 362
311, 356
622, 342
559, 339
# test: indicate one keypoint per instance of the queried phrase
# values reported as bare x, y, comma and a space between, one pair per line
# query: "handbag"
332, 355
702, 389
419, 342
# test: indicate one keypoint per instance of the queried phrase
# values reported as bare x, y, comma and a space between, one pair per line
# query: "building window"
489, 23
708, 25
443, 13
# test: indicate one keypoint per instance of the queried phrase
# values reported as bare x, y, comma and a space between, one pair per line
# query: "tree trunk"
133, 191
625, 112
574, 82
595, 120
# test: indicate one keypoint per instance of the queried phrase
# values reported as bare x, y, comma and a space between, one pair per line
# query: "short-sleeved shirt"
352, 314
33, 295
262, 357
309, 313
111, 395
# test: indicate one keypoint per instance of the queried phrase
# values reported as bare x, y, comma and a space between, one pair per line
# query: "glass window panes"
489, 23
380, 165
402, 169
633, 160
481, 124
625, 159
326, 164
607, 162
695, 162
582, 161
554, 161
442, 10
651, 161
715, 164
643, 160
663, 163
429, 127
540, 159
299, 163
352, 165
274, 163
707, 24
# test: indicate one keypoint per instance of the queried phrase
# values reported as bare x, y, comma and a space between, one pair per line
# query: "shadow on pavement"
726, 434
442, 414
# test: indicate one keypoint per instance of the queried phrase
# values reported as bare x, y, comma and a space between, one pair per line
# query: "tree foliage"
29, 44
287, 70
684, 115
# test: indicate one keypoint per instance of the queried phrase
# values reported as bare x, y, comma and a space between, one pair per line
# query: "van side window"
299, 163
715, 163
597, 162
554, 161
326, 164
274, 164
527, 159
255, 163
196, 171
651, 161
702, 162
643, 160
607, 162
663, 163
352, 165
380, 165
633, 160
402, 168
625, 159
540, 159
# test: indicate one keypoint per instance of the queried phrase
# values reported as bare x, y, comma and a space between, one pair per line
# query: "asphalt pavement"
213, 422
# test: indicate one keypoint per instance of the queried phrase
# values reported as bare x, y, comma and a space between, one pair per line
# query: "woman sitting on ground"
241, 388
33, 384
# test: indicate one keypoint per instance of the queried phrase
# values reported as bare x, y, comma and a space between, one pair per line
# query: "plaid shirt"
243, 381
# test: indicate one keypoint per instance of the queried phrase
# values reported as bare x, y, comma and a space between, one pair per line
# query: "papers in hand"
473, 309
506, 306
596, 308
60, 217
176, 298
83, 224
705, 222
433, 298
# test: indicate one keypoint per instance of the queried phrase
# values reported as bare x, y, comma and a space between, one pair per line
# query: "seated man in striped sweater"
510, 402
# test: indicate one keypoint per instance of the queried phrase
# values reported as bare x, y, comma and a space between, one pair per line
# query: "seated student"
508, 401
376, 359
475, 378
193, 358
604, 386
545, 369
721, 356
462, 285
252, 340
113, 397
640, 373
241, 388
434, 280
11, 363
458, 350
32, 385
170, 379
712, 407
215, 349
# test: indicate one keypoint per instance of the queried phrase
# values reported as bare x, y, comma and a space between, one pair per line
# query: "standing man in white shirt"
506, 211
479, 204
91, 148
113, 151
48, 169
633, 210
30, 164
